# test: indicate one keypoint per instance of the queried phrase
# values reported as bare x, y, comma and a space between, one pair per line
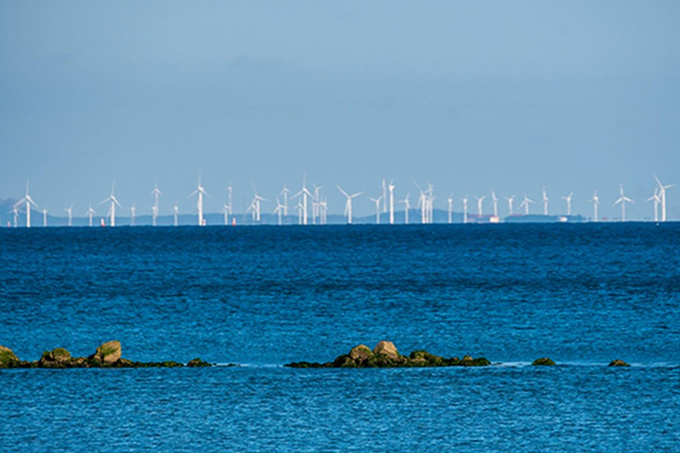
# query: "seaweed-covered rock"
56, 358
108, 353
7, 358
618, 362
543, 361
198, 363
385, 355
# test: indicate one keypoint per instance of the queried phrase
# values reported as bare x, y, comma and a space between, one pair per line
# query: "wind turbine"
348, 204
377, 208
255, 207
324, 211
305, 193
384, 195
114, 201
316, 200
596, 202
545, 202
657, 199
465, 209
494, 200
422, 203
44, 217
568, 200
391, 189
154, 210
285, 193
15, 210
622, 201
225, 211
200, 191
511, 200
69, 211
29, 201
89, 213
526, 203
662, 194
480, 200
133, 211
175, 212
228, 208
450, 200
279, 210
407, 207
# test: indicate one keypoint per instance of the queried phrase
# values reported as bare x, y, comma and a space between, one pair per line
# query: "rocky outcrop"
7, 358
386, 355
618, 362
108, 355
543, 361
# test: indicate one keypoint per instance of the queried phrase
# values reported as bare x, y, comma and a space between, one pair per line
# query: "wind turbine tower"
545, 202
133, 211
622, 201
200, 191
494, 200
391, 189
348, 204
285, 193
29, 201
450, 200
44, 217
69, 211
465, 209
596, 202
511, 200
114, 201
662, 194
480, 201
377, 208
568, 200
526, 203
89, 213
407, 207
154, 210
175, 212
656, 198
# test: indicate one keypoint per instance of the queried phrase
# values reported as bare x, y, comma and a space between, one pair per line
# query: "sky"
469, 96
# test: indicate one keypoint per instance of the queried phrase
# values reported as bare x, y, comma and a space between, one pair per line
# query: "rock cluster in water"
108, 355
385, 355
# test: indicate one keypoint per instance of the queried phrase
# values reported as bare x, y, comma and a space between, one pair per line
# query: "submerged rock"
385, 355
618, 362
543, 361
7, 358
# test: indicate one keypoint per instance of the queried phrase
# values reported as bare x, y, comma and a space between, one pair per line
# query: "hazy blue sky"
471, 96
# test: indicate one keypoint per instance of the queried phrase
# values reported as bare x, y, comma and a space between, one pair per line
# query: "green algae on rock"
543, 361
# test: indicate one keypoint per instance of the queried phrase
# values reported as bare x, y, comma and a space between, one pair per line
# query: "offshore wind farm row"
310, 207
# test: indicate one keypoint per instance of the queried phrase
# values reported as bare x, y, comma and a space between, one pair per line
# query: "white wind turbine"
133, 212
279, 210
175, 213
29, 201
228, 208
407, 207
304, 192
285, 193
114, 201
662, 195
465, 209
255, 207
348, 204
225, 211
44, 217
657, 199
316, 204
526, 202
89, 213
480, 201
545, 202
423, 204
323, 205
69, 211
494, 200
200, 191
450, 201
377, 208
299, 212
384, 195
391, 187
511, 200
154, 209
596, 203
568, 200
622, 201
15, 210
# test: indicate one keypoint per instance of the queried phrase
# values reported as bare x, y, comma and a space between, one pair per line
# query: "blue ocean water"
582, 294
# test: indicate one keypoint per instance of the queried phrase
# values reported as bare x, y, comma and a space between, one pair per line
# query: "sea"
261, 297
